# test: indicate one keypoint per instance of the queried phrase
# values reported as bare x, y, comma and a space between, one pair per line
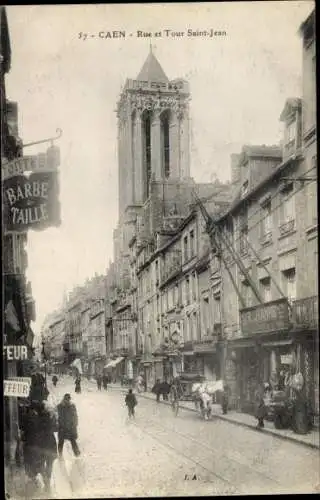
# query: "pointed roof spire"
152, 70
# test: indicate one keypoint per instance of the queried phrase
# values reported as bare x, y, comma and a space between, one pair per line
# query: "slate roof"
152, 70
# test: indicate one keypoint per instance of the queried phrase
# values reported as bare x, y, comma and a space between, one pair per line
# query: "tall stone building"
154, 169
155, 194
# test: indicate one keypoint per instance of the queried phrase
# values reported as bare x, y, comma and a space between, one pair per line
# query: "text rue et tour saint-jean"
165, 33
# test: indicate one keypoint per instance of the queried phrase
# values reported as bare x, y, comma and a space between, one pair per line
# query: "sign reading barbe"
31, 202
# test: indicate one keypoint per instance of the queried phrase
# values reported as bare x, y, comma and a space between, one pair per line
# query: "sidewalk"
312, 439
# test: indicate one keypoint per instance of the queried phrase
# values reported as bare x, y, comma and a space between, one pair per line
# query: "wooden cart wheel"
174, 401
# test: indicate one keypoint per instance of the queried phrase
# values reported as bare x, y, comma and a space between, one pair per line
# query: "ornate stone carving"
158, 103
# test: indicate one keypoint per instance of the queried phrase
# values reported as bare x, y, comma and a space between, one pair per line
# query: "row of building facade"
18, 306
214, 278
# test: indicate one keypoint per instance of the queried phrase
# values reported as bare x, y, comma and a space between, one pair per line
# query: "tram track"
230, 470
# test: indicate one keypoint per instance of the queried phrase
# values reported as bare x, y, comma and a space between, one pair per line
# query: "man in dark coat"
48, 445
31, 441
156, 389
131, 403
67, 424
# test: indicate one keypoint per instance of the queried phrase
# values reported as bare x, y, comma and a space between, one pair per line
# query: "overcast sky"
238, 83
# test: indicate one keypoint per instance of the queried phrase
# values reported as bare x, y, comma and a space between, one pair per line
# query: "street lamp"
44, 361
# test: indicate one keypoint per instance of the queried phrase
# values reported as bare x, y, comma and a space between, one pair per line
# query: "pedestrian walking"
55, 380
261, 409
156, 390
105, 381
99, 382
225, 399
47, 423
131, 403
77, 384
67, 425
31, 441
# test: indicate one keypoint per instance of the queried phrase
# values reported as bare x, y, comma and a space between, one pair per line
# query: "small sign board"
286, 359
21, 379
14, 388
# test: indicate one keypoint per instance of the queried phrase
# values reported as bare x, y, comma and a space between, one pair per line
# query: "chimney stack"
235, 168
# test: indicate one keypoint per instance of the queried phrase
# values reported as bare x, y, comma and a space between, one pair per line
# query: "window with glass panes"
287, 207
265, 288
192, 243
289, 283
266, 218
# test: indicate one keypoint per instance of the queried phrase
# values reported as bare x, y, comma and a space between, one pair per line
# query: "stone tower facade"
153, 133
153, 154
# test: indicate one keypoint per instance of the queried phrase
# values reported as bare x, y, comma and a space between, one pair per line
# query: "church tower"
153, 133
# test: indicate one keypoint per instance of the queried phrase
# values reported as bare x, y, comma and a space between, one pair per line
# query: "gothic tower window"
165, 143
146, 127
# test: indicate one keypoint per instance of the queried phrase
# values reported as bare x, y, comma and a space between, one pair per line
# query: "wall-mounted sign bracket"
50, 139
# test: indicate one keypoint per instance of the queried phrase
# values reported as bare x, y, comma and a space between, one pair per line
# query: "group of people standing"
39, 423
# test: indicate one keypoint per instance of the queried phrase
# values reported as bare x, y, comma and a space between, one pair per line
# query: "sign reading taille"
31, 202
16, 389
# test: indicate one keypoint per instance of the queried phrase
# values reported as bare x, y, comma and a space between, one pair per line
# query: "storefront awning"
277, 343
113, 363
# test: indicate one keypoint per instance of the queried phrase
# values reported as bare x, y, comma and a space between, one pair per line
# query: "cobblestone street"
158, 455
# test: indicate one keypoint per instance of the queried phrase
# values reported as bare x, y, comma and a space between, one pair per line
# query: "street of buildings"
218, 279
237, 299
158, 454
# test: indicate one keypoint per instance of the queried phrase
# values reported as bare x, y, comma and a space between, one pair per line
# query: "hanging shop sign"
15, 352
269, 317
15, 388
47, 162
31, 202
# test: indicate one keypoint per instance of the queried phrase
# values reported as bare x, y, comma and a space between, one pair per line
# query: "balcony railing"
305, 312
287, 227
266, 238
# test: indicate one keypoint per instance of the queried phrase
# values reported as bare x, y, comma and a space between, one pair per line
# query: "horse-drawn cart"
181, 389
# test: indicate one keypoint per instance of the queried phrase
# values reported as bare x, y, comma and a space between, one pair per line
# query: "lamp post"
44, 361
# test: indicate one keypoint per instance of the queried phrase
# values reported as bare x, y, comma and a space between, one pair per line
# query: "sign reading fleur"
31, 202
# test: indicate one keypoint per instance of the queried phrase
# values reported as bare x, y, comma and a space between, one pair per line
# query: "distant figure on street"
131, 402
78, 384
225, 399
99, 381
54, 380
261, 409
156, 390
67, 425
105, 381
38, 390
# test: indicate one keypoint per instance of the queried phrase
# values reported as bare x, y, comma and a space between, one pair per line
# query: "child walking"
131, 402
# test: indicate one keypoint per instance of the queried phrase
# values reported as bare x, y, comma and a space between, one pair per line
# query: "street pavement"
158, 454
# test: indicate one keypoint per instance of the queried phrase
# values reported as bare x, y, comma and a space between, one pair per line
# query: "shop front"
207, 362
